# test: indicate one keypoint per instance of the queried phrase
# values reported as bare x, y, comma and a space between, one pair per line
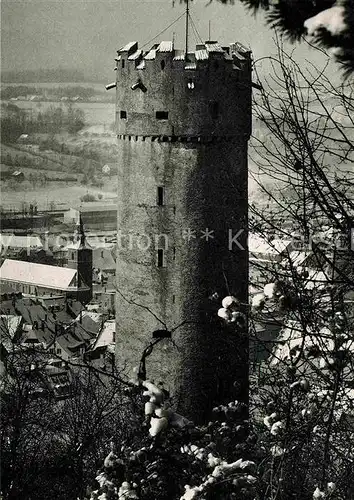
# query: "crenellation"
185, 89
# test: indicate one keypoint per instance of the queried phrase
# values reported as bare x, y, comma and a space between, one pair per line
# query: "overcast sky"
85, 34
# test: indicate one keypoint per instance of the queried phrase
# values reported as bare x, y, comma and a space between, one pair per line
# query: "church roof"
59, 278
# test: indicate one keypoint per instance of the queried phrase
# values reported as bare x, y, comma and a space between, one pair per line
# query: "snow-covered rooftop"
59, 278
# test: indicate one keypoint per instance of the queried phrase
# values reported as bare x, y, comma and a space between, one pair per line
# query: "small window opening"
163, 64
123, 63
160, 258
174, 253
173, 299
123, 115
161, 115
160, 196
214, 109
101, 254
58, 351
190, 83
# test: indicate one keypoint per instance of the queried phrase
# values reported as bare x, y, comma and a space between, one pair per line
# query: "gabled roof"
90, 321
105, 263
59, 278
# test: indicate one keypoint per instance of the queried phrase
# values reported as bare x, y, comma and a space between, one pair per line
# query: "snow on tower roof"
135, 55
213, 46
201, 55
106, 335
166, 46
128, 47
151, 54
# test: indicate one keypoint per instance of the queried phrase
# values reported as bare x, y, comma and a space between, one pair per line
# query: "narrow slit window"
161, 115
160, 196
160, 258
123, 115
123, 63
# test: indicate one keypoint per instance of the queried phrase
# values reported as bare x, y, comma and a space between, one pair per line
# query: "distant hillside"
43, 75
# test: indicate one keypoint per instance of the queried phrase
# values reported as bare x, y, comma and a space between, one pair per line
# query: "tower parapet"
165, 93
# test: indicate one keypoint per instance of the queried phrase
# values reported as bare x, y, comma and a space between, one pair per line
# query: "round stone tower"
183, 122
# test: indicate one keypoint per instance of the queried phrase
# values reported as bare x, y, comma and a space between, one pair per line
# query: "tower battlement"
166, 92
234, 56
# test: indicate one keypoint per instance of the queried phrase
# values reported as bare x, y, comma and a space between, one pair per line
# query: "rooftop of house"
48, 324
106, 335
105, 262
57, 278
